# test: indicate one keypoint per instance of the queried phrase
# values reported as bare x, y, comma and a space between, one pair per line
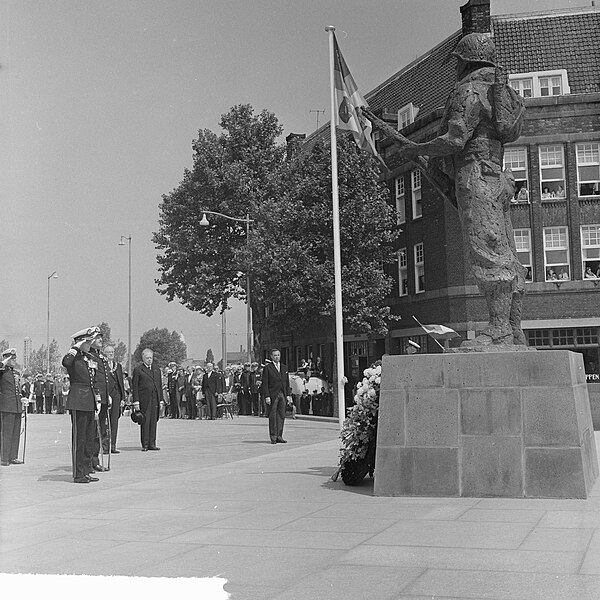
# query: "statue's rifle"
419, 161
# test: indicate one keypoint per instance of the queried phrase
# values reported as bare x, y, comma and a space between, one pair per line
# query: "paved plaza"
220, 500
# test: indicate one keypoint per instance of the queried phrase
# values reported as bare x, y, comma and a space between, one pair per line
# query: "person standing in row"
212, 385
277, 392
146, 384
101, 385
116, 391
10, 409
82, 402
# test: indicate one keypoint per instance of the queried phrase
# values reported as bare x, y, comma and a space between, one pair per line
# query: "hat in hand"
137, 416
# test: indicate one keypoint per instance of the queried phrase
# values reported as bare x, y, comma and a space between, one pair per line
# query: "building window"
538, 337
550, 86
417, 206
590, 251
562, 337
556, 253
588, 169
407, 115
523, 245
402, 272
523, 86
400, 200
586, 336
515, 159
419, 268
541, 84
552, 172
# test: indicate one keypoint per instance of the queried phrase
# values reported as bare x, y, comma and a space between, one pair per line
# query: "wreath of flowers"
360, 425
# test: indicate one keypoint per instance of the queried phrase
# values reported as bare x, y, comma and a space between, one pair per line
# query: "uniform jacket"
48, 387
146, 383
213, 384
38, 387
81, 392
274, 381
101, 382
10, 394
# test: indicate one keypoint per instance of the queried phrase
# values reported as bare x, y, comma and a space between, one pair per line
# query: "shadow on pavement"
364, 488
68, 478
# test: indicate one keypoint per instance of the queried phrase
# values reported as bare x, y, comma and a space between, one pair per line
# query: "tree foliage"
291, 248
166, 346
210, 357
37, 360
288, 251
232, 174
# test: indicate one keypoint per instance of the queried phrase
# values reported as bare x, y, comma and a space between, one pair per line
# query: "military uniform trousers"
82, 443
9, 435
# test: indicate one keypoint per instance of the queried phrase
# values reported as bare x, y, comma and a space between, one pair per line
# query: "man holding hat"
146, 385
82, 402
10, 409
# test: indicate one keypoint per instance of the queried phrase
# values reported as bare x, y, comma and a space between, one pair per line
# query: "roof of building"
560, 39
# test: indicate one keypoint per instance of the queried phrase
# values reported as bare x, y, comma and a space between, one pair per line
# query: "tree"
37, 361
232, 173
166, 346
210, 357
119, 346
291, 246
4, 345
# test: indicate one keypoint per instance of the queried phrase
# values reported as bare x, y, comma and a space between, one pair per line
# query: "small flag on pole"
347, 100
440, 332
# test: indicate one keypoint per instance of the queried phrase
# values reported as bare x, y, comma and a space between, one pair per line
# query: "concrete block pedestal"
513, 424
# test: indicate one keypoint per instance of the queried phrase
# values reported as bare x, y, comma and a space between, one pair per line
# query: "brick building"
553, 60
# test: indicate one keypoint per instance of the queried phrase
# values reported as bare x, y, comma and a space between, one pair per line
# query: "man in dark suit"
172, 391
116, 391
82, 402
146, 384
277, 392
212, 385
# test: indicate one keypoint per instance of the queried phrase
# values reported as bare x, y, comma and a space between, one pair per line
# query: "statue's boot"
498, 297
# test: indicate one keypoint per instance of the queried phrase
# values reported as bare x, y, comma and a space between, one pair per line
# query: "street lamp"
205, 223
53, 275
122, 243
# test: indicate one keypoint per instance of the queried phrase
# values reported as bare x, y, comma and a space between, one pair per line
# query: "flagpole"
337, 255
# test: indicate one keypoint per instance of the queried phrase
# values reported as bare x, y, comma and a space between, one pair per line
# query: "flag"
440, 332
347, 100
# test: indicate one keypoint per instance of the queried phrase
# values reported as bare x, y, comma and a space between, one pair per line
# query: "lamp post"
53, 275
205, 223
122, 243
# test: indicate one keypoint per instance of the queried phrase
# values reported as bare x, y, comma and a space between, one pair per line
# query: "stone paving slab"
220, 500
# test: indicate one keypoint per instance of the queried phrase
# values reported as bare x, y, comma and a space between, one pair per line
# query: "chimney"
294, 143
476, 17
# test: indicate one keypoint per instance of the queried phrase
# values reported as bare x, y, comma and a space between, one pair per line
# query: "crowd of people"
96, 392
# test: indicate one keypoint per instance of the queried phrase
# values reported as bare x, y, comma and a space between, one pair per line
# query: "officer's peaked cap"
10, 352
87, 333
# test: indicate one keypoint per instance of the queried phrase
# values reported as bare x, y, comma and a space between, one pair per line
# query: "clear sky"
99, 104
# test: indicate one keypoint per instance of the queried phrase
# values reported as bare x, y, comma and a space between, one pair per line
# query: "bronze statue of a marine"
465, 163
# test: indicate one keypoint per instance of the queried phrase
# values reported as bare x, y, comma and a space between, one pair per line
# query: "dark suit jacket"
145, 384
213, 384
81, 394
116, 385
274, 381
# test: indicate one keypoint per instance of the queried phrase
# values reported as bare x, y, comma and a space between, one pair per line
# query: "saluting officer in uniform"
82, 402
102, 387
10, 409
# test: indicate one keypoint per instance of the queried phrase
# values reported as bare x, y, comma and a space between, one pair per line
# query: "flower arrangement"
360, 427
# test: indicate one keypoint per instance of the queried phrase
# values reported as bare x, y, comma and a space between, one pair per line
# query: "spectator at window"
551, 275
523, 195
560, 192
546, 193
589, 274
563, 274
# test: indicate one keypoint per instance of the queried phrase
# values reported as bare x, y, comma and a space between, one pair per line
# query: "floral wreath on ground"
360, 426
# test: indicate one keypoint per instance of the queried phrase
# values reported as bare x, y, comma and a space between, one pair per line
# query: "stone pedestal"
514, 424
